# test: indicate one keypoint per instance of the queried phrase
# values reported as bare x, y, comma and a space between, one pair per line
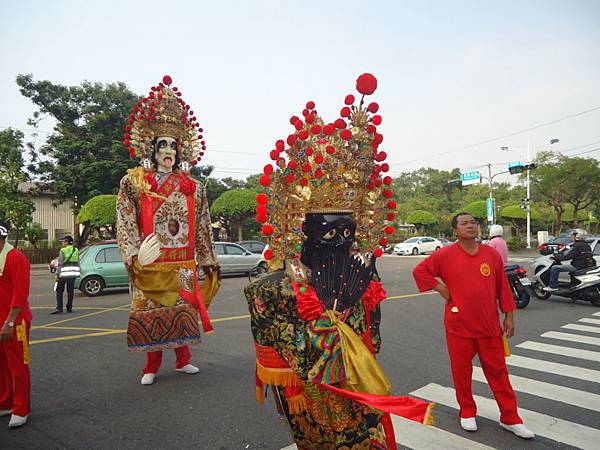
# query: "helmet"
579, 234
67, 239
496, 230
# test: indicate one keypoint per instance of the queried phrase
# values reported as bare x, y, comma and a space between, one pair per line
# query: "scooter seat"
583, 271
511, 267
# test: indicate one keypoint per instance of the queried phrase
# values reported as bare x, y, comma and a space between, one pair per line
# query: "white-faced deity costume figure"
164, 230
316, 315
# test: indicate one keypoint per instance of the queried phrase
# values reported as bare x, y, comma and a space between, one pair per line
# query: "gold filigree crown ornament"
163, 113
332, 168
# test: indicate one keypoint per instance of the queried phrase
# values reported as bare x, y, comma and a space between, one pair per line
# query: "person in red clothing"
15, 317
474, 285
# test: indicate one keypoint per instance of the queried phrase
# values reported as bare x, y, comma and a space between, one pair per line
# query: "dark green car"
101, 268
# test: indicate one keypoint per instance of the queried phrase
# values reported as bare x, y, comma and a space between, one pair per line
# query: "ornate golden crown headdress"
328, 168
164, 113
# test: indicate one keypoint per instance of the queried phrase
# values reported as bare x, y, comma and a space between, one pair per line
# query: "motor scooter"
584, 284
519, 283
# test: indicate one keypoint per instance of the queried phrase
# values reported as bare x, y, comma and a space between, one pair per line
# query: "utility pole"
528, 204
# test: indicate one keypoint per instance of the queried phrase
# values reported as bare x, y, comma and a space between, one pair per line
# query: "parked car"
445, 242
101, 268
542, 261
554, 244
416, 245
234, 258
253, 246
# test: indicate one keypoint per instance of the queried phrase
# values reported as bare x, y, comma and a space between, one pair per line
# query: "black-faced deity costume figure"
316, 315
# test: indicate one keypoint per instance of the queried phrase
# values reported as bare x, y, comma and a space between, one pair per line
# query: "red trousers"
491, 355
154, 359
15, 381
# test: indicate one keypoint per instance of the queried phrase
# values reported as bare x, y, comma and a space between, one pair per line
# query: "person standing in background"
68, 270
497, 242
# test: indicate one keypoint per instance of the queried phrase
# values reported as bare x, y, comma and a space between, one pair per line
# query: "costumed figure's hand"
149, 250
129, 266
208, 270
509, 325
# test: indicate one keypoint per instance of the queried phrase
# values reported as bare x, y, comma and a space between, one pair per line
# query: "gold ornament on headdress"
164, 113
328, 168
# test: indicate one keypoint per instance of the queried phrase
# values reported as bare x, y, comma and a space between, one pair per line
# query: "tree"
517, 215
15, 208
34, 234
232, 208
478, 209
97, 213
213, 186
421, 218
560, 180
84, 157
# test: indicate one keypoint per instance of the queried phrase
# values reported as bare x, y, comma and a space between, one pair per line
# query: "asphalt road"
87, 392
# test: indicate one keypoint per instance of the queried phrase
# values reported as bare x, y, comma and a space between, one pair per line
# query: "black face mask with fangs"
335, 275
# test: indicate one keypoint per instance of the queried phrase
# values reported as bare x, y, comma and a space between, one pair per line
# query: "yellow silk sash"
160, 286
363, 372
22, 337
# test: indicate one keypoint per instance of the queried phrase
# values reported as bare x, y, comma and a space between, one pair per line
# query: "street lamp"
528, 202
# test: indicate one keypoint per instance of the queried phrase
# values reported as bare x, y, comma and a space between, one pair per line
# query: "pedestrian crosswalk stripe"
417, 436
574, 326
594, 321
559, 430
560, 350
290, 447
572, 337
548, 390
596, 314
565, 370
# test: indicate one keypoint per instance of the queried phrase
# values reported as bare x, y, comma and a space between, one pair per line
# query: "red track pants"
15, 381
154, 359
491, 355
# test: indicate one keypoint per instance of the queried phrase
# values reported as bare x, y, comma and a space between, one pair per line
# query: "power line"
487, 141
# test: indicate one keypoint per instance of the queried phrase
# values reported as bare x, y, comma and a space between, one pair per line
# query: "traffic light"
524, 203
519, 168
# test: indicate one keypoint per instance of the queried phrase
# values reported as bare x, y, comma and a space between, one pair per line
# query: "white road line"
420, 437
572, 337
290, 447
560, 350
574, 326
594, 321
547, 426
550, 391
565, 370
596, 314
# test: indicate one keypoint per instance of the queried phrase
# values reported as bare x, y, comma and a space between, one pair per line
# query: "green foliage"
420, 217
233, 207
15, 208
516, 243
517, 213
84, 157
34, 234
478, 209
97, 213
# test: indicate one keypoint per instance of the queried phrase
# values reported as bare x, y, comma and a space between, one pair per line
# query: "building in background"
56, 217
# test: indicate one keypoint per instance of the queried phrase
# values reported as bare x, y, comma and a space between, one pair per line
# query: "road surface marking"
572, 337
565, 370
78, 328
596, 314
560, 350
397, 297
420, 437
77, 336
594, 321
82, 317
225, 319
550, 391
559, 430
574, 326
83, 308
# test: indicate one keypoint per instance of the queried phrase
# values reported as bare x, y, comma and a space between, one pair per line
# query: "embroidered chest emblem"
485, 269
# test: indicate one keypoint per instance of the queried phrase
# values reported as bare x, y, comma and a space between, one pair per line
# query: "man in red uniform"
474, 283
15, 319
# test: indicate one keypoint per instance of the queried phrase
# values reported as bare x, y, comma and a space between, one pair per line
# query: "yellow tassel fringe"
297, 404
277, 377
429, 420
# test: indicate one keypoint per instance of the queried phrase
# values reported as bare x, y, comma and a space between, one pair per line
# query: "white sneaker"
550, 289
519, 429
148, 378
17, 421
188, 368
468, 424
5, 412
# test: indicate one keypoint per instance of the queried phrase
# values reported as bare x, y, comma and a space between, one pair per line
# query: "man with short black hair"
580, 254
15, 320
474, 286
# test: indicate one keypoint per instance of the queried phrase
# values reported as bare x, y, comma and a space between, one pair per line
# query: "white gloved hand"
149, 250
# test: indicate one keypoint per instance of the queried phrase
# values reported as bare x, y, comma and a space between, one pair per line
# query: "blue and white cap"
3, 231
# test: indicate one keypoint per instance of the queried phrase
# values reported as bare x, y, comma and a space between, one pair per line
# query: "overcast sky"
451, 74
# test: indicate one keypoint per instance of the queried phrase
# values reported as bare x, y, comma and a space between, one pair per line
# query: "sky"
457, 79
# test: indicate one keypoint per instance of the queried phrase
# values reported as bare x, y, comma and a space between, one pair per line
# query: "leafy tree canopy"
518, 213
421, 217
233, 207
